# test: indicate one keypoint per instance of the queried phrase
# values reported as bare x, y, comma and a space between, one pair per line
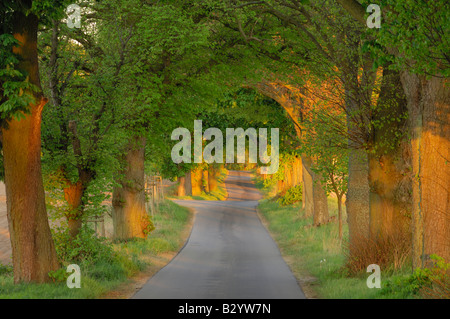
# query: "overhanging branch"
355, 9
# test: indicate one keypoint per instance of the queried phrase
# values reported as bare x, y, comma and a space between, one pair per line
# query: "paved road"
229, 254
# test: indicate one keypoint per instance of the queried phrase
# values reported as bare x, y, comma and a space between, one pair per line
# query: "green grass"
102, 276
317, 252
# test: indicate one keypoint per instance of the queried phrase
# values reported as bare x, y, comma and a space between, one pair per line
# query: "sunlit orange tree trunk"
73, 194
307, 204
429, 111
33, 251
205, 177
213, 175
181, 187
197, 181
389, 163
428, 100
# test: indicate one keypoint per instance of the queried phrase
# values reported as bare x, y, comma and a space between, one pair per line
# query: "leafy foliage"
59, 275
328, 148
293, 195
84, 247
5, 269
420, 33
433, 282
16, 92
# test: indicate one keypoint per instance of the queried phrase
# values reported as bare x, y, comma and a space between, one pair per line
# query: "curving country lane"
229, 254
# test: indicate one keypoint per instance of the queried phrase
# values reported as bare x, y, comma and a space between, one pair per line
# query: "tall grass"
390, 252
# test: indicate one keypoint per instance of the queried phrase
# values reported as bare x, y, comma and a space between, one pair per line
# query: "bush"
59, 275
147, 225
439, 279
86, 246
431, 282
293, 195
5, 269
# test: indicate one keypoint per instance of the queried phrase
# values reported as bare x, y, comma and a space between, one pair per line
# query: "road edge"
306, 284
128, 289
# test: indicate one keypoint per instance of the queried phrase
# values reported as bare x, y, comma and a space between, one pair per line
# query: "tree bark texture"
197, 181
429, 115
33, 251
390, 163
188, 183
130, 218
181, 189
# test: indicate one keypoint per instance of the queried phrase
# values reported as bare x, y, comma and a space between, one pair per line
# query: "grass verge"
130, 265
316, 257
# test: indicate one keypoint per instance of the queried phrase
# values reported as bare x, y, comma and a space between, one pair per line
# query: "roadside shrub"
5, 269
147, 225
293, 195
433, 282
86, 246
59, 275
439, 277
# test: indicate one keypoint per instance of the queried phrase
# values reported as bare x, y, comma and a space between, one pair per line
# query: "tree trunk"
319, 196
196, 181
429, 113
357, 199
288, 169
308, 204
130, 218
339, 202
188, 183
280, 187
358, 190
213, 174
205, 181
429, 116
181, 190
297, 174
33, 251
76, 193
73, 194
320, 200
389, 162
294, 172
387, 208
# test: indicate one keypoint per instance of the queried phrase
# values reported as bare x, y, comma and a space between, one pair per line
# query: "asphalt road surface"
229, 254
